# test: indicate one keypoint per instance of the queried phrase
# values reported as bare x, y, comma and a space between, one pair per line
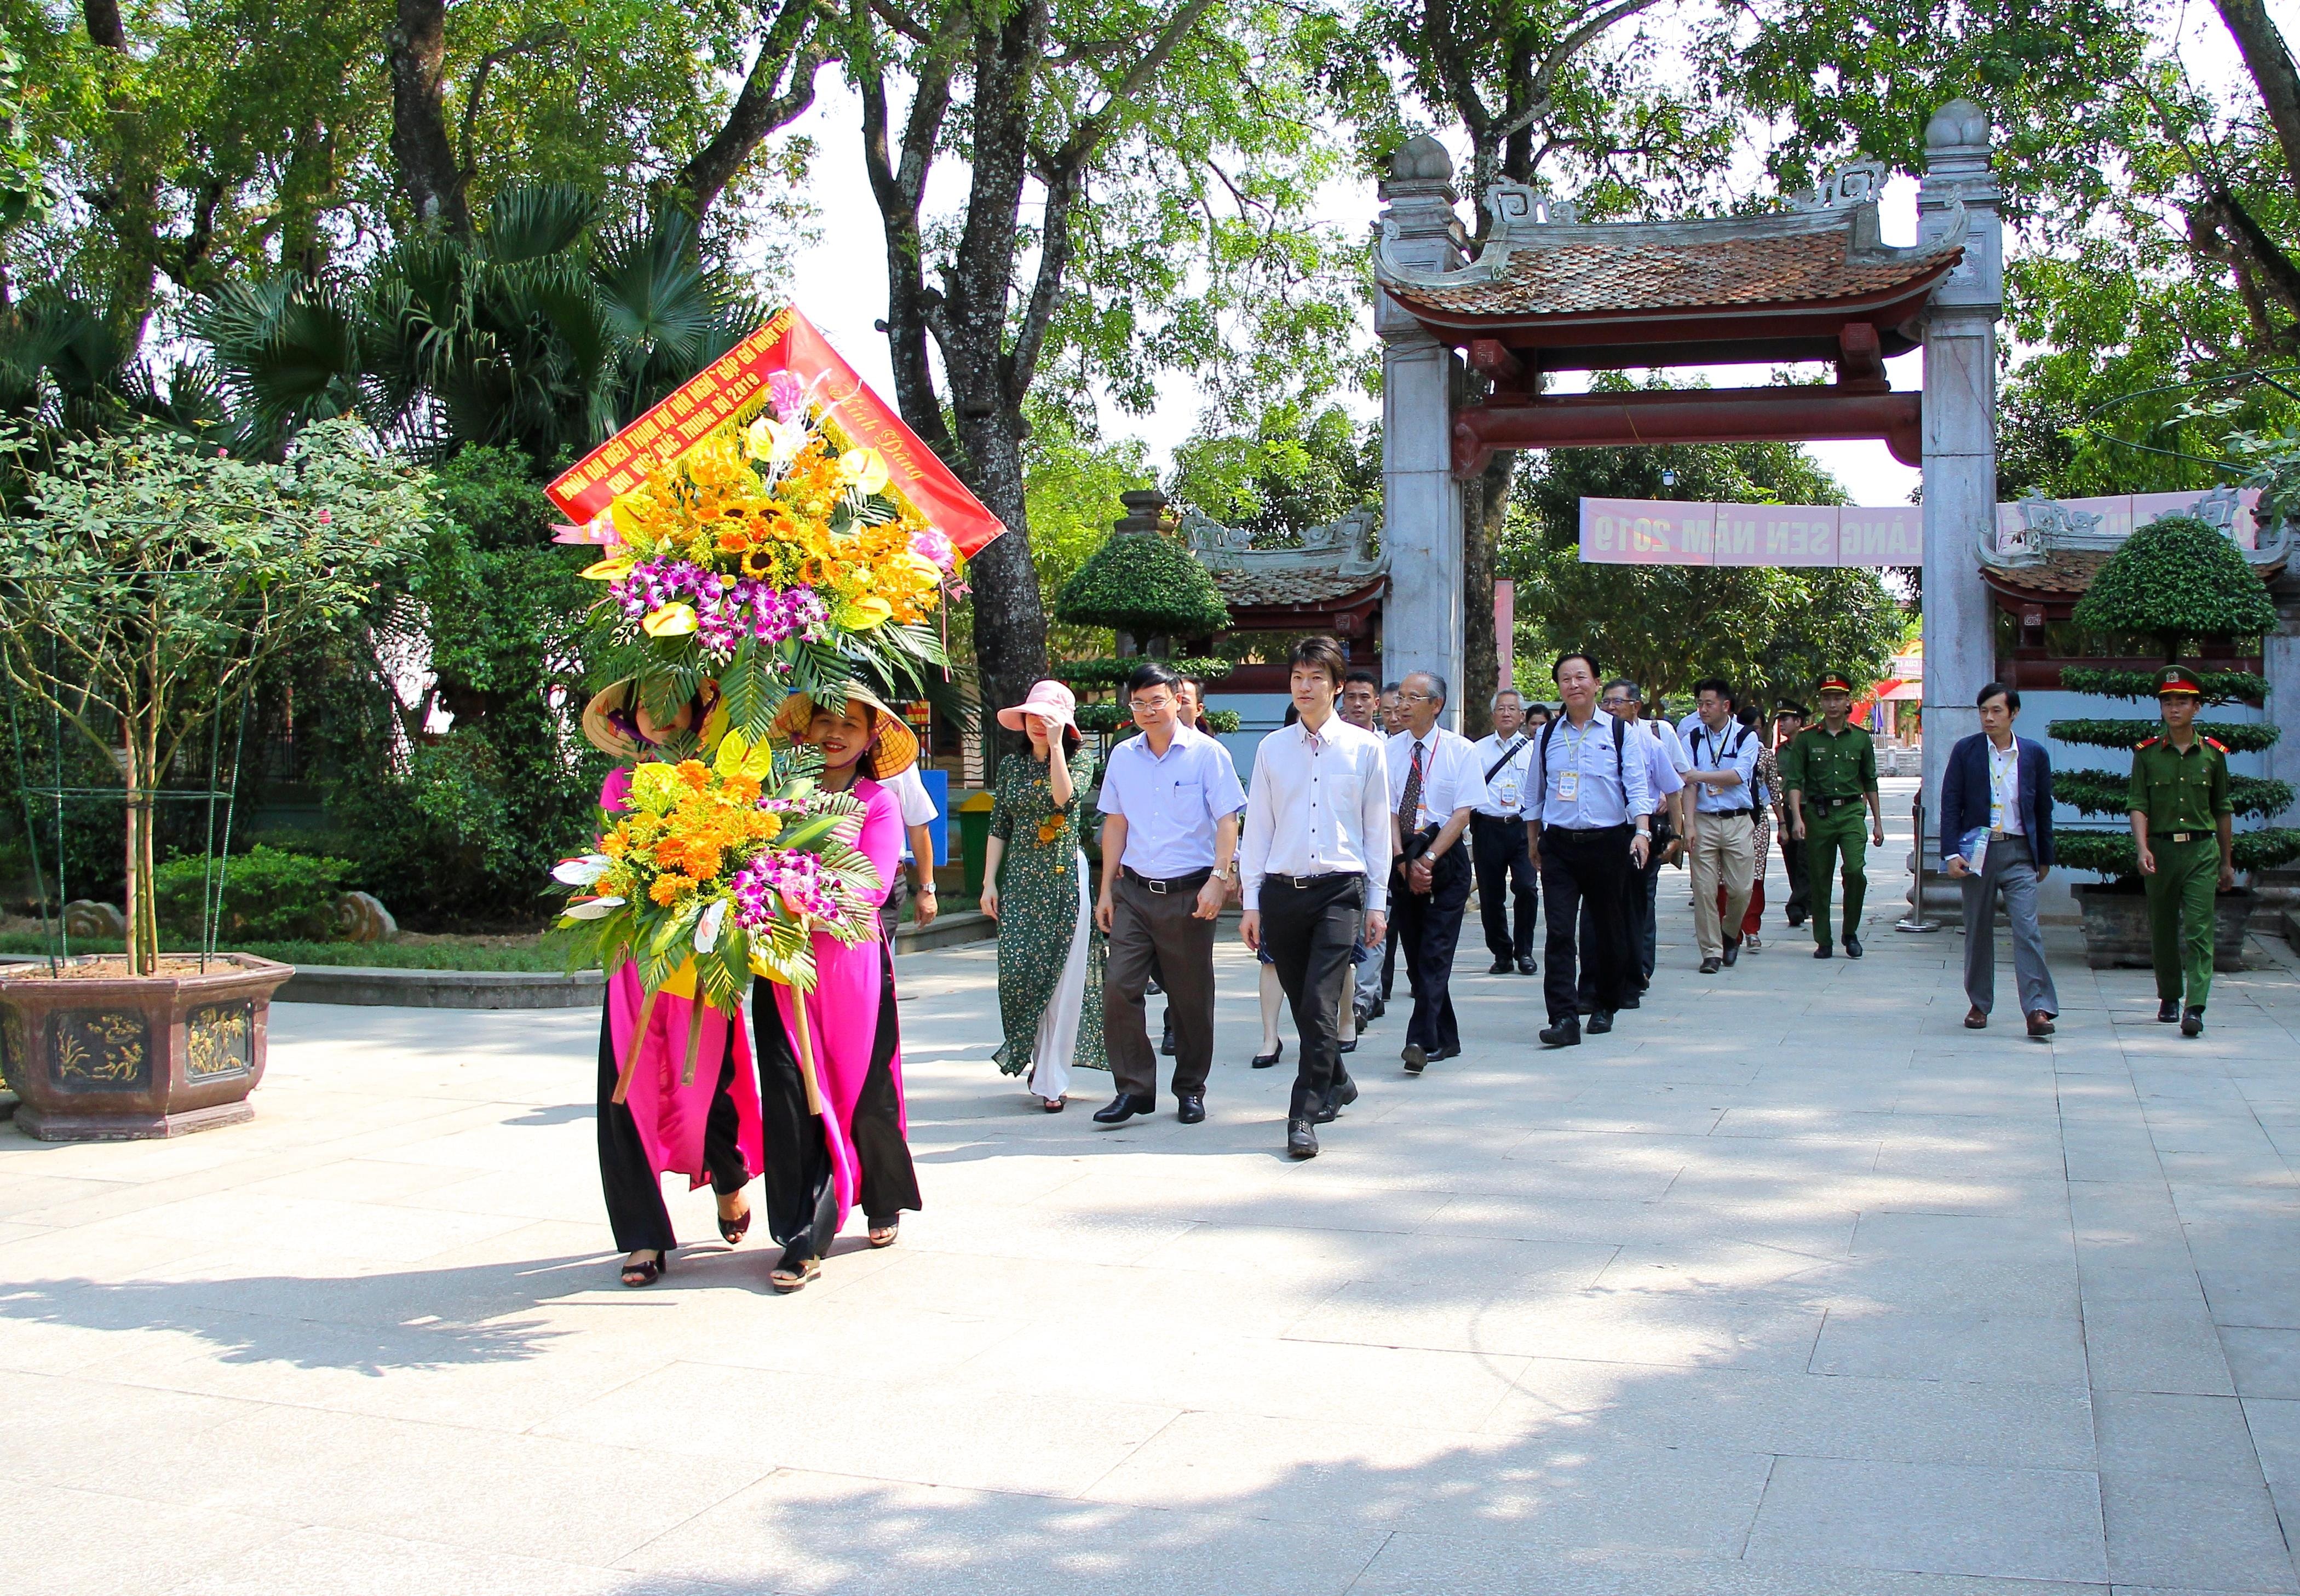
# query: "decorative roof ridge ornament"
1345, 545
1854, 183
2049, 526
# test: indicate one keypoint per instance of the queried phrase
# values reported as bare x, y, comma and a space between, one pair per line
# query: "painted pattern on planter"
102, 1050
218, 1041
14, 1054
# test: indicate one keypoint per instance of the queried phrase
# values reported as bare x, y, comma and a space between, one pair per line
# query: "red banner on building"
787, 343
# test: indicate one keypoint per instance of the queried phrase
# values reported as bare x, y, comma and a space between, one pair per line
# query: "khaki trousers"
1724, 853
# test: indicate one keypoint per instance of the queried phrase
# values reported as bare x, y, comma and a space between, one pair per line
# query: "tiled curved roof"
1245, 589
1718, 262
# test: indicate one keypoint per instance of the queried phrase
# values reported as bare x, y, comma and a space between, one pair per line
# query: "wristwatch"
1229, 872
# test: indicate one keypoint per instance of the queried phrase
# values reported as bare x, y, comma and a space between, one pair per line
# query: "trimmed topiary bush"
2175, 578
1147, 585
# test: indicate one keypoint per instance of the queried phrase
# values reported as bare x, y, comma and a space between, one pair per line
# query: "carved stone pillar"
1960, 438
1421, 503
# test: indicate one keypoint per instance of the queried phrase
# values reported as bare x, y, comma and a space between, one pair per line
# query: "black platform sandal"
647, 1271
793, 1270
885, 1236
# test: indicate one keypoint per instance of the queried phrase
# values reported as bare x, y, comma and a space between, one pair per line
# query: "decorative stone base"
67, 1126
2116, 928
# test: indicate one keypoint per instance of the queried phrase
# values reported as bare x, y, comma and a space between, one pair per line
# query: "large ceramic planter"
99, 1055
2116, 926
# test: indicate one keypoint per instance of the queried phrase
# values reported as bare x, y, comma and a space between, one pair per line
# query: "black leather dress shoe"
1527, 967
1166, 1041
1823, 950
1852, 945
1565, 1033
1444, 1053
1301, 1139
1633, 1002
1601, 1022
1338, 1099
1192, 1110
1733, 952
2192, 1023
1264, 1060
1501, 967
1709, 967
1123, 1107
1415, 1056
2168, 1012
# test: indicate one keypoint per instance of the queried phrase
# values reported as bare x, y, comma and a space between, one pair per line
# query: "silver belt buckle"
1158, 887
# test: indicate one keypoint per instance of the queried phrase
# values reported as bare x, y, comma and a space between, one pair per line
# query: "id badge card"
1569, 784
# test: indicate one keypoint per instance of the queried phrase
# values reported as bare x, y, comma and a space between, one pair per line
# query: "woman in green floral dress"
1050, 955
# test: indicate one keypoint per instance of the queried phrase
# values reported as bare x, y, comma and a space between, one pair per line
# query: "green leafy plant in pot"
2180, 582
147, 579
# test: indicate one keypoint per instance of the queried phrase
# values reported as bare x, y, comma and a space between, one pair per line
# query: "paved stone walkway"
1792, 1286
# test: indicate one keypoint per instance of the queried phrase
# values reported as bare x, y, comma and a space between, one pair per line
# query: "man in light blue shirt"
1169, 802
1588, 818
1723, 818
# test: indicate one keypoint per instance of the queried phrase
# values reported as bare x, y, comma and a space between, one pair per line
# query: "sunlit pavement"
1790, 1285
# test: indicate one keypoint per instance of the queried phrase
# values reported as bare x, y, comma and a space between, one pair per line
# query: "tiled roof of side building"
1244, 589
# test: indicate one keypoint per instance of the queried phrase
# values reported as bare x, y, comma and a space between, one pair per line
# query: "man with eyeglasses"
1498, 840
1436, 775
1588, 823
1666, 765
1722, 826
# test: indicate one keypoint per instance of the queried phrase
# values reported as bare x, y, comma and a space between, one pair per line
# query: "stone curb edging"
390, 986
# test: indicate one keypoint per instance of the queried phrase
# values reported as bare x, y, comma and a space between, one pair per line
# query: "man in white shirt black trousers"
1504, 869
1437, 778
1587, 814
1315, 862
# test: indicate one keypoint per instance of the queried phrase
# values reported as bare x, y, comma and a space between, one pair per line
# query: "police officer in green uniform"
1830, 772
2184, 828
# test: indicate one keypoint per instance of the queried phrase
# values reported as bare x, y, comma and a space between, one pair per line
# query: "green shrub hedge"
2220, 686
2104, 792
269, 894
2111, 853
2236, 736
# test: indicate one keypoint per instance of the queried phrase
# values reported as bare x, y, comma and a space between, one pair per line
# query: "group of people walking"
1353, 852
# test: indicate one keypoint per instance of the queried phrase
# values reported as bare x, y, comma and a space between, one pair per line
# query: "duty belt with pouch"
1172, 884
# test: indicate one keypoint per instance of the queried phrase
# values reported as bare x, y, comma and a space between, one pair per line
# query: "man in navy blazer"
1996, 836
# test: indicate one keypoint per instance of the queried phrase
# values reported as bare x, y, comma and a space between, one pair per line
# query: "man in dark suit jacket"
1996, 836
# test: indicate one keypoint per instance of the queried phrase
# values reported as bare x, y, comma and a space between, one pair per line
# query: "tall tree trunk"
1485, 504
428, 171
2268, 60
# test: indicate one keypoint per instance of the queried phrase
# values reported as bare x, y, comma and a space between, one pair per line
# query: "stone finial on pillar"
1960, 435
1422, 626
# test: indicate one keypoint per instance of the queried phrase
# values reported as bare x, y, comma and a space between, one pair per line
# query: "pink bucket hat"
1050, 701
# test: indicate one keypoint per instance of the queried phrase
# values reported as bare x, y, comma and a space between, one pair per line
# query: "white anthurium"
594, 908
582, 870
706, 929
865, 469
777, 442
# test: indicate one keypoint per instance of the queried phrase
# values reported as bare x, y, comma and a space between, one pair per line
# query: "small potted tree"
2178, 581
1144, 584
147, 580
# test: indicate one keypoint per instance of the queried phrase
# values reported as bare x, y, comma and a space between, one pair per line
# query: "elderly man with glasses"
1435, 773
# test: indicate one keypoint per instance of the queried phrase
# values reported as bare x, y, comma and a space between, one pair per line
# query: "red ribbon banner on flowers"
787, 343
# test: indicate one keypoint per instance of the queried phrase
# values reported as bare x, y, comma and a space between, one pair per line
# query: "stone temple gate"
1550, 292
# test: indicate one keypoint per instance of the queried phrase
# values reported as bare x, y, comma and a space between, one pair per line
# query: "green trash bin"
974, 840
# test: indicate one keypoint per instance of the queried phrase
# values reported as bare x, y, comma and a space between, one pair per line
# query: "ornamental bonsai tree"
1145, 587
147, 579
2174, 581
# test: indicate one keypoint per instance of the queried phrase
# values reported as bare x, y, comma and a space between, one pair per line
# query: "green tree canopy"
2177, 579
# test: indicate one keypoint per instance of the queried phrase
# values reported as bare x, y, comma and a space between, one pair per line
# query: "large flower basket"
100, 1055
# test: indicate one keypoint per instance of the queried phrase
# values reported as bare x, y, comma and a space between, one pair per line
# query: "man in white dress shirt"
1665, 761
1315, 863
1724, 782
1589, 819
1169, 802
1437, 778
1497, 839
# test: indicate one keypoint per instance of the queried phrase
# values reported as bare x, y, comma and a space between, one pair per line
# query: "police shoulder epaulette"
2216, 745
2146, 742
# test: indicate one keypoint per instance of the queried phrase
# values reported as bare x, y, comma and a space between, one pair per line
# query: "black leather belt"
1825, 804
1171, 884
2192, 837
1303, 884
1720, 814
